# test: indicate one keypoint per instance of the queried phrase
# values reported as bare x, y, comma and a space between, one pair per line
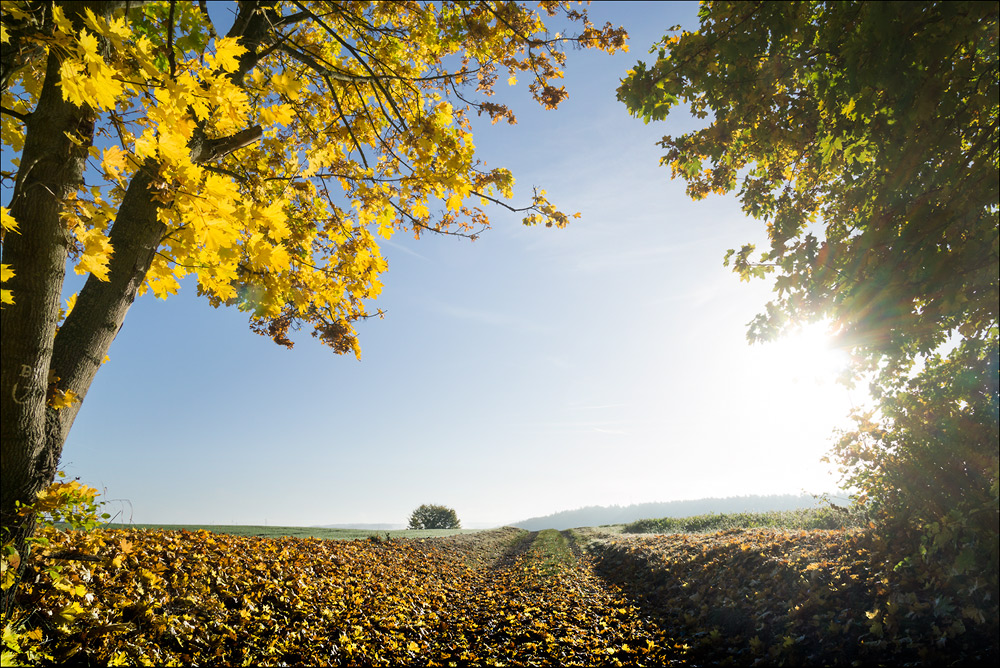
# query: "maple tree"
865, 135
430, 516
267, 162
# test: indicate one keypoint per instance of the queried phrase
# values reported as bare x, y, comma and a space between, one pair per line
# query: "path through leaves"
171, 597
501, 597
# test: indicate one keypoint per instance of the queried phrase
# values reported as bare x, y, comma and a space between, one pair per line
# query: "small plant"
66, 503
434, 517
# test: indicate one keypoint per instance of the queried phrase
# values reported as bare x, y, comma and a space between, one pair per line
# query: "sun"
803, 405
809, 354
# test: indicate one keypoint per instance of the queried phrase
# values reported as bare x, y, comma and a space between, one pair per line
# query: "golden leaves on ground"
743, 597
181, 597
763, 596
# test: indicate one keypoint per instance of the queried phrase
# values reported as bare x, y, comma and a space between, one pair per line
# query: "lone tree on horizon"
434, 517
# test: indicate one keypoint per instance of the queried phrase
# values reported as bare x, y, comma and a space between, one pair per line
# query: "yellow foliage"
250, 158
7, 221
6, 273
96, 252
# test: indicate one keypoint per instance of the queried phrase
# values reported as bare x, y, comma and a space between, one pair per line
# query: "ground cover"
581, 597
779, 597
179, 597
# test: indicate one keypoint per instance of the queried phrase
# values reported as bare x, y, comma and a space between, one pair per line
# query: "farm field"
505, 596
296, 532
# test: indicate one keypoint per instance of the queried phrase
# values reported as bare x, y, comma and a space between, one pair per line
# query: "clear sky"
531, 371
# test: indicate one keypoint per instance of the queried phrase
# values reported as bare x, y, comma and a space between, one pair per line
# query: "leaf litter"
500, 597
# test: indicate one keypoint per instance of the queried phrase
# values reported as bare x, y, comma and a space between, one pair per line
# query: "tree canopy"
430, 516
865, 136
268, 161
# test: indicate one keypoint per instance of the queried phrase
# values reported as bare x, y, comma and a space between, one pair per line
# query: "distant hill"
591, 516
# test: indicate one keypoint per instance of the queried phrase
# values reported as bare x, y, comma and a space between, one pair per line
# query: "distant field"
807, 519
296, 532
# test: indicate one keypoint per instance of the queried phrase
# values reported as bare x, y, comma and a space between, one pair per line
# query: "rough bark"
51, 167
38, 355
33, 355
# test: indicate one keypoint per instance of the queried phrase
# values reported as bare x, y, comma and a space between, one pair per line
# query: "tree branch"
214, 149
16, 114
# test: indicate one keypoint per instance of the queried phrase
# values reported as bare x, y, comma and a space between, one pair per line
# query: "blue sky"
531, 371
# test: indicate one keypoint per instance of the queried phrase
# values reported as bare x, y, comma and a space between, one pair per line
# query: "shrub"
434, 517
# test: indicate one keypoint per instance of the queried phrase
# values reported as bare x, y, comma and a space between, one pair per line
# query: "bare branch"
16, 114
223, 146
347, 45
203, 7
170, 39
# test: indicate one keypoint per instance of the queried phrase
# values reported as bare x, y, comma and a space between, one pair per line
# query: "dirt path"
540, 603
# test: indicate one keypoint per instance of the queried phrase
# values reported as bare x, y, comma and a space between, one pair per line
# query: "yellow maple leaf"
71, 80
96, 252
101, 88
287, 85
63, 24
113, 161
88, 46
70, 303
63, 399
282, 113
272, 219
454, 201
7, 221
6, 273
227, 54
420, 211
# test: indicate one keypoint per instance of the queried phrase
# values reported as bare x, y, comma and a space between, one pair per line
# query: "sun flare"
809, 354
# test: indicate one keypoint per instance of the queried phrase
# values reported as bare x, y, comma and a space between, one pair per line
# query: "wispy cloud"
614, 427
486, 317
400, 247
595, 407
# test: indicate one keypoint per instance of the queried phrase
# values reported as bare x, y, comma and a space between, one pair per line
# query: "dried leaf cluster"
742, 597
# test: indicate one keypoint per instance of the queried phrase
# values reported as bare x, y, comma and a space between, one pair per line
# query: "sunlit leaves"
200, 597
7, 225
855, 148
347, 122
741, 596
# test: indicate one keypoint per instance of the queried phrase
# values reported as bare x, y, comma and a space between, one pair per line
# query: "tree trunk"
34, 358
51, 168
38, 355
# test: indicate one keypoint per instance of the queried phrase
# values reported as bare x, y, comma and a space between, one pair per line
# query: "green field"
295, 532
790, 520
